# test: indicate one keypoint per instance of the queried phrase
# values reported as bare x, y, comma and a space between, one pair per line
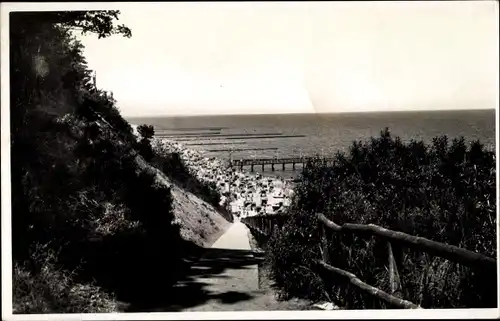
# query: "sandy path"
228, 273
226, 278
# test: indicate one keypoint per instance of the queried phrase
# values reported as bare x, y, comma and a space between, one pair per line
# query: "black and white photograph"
299, 159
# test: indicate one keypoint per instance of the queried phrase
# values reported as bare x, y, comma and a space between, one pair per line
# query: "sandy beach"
247, 194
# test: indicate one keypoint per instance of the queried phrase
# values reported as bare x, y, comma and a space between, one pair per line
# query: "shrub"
52, 290
444, 192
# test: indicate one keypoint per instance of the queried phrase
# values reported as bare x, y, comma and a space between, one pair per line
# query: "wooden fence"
265, 225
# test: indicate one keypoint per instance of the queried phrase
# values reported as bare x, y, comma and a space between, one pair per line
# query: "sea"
295, 135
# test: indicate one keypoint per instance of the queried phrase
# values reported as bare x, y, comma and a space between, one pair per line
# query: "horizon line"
315, 113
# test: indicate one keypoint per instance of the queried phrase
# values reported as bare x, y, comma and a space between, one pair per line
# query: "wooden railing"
265, 225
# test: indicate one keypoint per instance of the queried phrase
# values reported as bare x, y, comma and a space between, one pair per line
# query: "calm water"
311, 134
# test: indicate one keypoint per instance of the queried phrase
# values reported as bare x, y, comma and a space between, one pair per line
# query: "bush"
52, 290
439, 191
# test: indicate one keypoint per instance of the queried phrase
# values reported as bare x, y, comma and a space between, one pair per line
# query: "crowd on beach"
245, 194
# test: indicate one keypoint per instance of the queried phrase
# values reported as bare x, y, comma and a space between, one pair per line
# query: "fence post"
394, 280
326, 258
324, 246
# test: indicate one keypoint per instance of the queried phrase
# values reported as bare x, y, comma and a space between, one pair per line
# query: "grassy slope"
200, 222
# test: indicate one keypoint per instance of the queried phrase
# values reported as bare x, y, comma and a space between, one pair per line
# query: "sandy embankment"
199, 221
247, 194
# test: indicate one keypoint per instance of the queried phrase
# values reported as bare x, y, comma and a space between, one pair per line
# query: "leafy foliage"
145, 149
54, 289
78, 188
99, 22
442, 191
146, 131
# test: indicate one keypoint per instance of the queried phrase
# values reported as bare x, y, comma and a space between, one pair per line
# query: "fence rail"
266, 225
446, 251
401, 303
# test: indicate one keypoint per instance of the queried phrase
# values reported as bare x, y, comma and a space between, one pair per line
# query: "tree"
145, 149
77, 187
99, 22
146, 131
49, 80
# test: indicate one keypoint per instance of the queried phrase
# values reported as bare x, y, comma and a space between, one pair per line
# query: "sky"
198, 58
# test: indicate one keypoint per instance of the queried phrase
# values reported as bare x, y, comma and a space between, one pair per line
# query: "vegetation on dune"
174, 167
90, 224
441, 191
52, 289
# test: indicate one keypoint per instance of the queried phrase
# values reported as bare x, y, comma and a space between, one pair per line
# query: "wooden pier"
274, 161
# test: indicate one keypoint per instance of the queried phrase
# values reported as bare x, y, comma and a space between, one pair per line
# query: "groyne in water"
241, 149
189, 129
217, 134
216, 143
232, 137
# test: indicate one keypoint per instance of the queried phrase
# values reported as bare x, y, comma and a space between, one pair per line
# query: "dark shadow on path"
190, 291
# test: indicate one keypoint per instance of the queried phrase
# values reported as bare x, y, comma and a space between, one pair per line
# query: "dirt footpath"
226, 278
